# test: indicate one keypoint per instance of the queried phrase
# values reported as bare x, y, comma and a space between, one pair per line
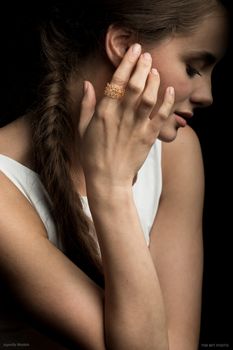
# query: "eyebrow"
205, 56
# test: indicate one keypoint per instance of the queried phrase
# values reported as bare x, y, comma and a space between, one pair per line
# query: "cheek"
181, 94
172, 73
181, 85
182, 91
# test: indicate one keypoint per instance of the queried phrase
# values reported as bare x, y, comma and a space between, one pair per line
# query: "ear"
117, 42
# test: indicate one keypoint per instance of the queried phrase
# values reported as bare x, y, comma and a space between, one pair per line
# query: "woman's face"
186, 62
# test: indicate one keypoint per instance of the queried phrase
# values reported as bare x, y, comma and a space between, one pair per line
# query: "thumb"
87, 107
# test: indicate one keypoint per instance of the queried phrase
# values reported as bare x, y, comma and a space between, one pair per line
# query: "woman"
102, 188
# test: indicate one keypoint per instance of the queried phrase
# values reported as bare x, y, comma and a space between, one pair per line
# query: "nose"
202, 94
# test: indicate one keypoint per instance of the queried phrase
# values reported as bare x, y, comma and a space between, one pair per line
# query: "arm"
129, 314
127, 128
134, 310
65, 302
52, 290
176, 239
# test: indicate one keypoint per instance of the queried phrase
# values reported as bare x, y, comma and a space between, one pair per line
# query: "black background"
214, 128
20, 73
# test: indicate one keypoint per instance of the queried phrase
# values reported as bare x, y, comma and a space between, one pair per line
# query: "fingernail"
146, 56
154, 71
171, 90
136, 49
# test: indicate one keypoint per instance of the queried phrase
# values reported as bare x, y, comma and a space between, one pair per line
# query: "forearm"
134, 310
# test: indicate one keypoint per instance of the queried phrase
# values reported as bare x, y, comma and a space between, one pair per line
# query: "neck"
20, 149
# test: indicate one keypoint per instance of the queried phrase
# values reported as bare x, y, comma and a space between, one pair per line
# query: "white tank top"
146, 191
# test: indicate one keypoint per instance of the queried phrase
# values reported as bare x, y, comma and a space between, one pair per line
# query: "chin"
168, 134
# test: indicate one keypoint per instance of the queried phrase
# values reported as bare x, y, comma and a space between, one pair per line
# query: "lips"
181, 117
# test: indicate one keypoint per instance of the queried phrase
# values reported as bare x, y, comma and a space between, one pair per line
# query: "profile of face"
186, 62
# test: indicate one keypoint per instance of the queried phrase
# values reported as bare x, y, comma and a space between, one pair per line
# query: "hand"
117, 135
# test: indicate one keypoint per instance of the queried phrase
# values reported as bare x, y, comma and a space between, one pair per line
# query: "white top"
146, 190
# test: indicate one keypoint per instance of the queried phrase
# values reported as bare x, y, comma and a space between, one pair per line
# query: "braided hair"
74, 31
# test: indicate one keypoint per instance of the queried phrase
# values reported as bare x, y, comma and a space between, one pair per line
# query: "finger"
149, 97
139, 79
165, 110
87, 107
125, 68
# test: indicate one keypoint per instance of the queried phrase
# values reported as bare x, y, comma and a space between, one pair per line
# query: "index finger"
125, 68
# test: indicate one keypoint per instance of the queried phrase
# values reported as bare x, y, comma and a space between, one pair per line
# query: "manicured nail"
146, 56
136, 49
154, 71
171, 90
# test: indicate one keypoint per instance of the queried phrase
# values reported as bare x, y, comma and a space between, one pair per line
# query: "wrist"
109, 194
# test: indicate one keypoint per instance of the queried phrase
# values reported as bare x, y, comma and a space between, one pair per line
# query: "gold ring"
114, 91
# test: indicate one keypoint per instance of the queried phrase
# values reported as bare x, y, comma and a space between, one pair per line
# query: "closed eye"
191, 71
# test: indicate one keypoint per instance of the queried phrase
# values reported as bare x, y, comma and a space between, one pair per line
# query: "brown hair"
71, 33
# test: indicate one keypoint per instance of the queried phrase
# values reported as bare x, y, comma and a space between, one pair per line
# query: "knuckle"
169, 103
134, 88
148, 102
102, 110
131, 59
101, 106
118, 80
86, 104
145, 64
149, 139
162, 115
85, 101
105, 109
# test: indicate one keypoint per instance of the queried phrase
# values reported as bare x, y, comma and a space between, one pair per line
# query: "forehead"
210, 36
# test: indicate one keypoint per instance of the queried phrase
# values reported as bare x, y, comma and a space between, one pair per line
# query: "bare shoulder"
176, 237
54, 291
16, 210
182, 158
185, 143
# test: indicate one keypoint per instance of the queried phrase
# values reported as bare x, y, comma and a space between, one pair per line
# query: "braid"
52, 134
72, 32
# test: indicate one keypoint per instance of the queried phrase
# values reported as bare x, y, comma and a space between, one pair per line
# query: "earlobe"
117, 42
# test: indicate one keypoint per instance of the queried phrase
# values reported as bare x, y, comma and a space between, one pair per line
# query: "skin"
166, 311
193, 90
190, 74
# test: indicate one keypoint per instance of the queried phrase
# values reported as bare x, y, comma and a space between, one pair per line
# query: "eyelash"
192, 71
